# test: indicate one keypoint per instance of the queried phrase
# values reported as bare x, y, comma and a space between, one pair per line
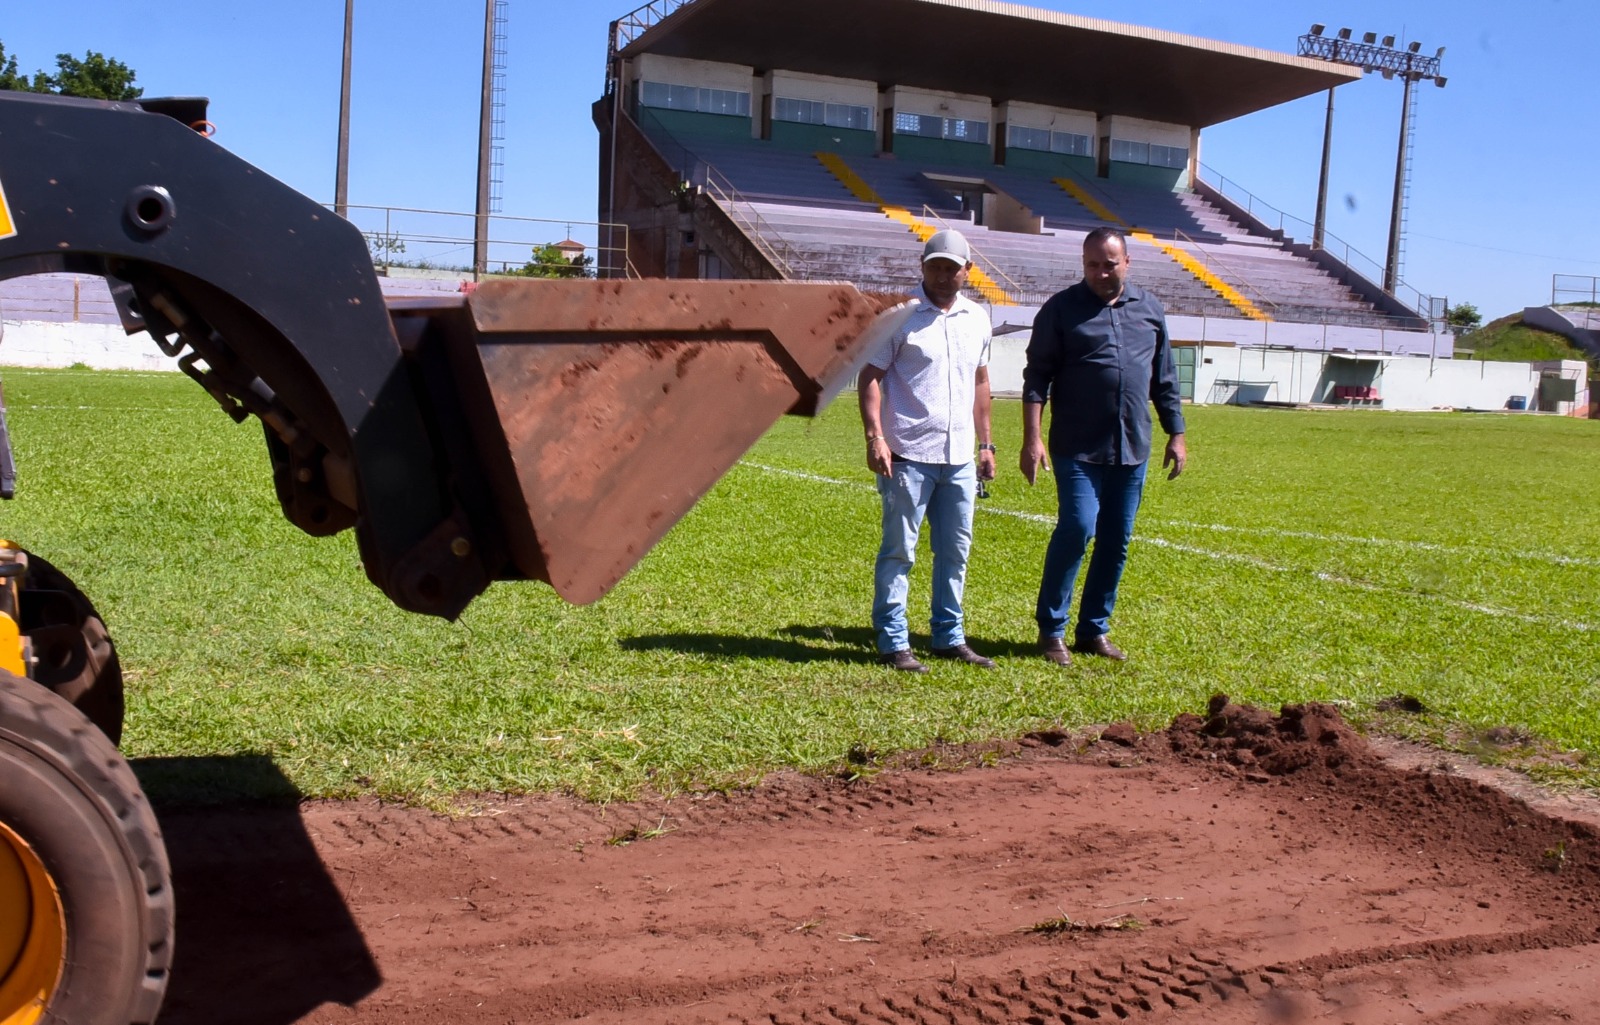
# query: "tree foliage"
1463, 317
550, 262
95, 77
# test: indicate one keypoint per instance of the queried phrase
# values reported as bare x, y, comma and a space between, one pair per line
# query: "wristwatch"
986, 447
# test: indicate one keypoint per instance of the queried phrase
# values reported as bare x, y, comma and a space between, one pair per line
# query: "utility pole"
341, 177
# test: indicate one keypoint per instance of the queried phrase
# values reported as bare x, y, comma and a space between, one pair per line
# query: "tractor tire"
86, 905
76, 656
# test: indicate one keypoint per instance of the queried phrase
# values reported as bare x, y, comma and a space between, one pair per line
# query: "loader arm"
550, 430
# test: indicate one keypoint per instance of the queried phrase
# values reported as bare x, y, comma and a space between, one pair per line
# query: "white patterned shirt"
930, 381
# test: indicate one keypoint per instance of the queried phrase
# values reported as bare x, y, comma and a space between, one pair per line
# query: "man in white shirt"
924, 398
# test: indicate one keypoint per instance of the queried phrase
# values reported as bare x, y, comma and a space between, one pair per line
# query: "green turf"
1344, 556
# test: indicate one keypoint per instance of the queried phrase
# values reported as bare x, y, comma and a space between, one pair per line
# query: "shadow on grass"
855, 645
847, 644
263, 933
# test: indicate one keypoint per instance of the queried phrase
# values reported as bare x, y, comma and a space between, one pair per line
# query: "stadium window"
966, 129
1169, 156
692, 98
1130, 152
806, 112
816, 112
1071, 143
926, 125
848, 115
932, 126
1019, 137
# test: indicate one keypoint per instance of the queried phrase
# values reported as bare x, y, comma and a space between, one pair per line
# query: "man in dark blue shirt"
1101, 354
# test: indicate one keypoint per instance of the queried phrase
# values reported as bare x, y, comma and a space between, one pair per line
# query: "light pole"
1370, 55
341, 174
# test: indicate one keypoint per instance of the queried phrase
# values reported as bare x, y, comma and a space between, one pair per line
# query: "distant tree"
95, 77
550, 262
1463, 318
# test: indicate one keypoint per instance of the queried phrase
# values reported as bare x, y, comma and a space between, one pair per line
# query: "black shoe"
902, 660
962, 653
1055, 649
1101, 646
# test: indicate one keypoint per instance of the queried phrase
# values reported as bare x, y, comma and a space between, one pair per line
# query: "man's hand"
1177, 456
1033, 459
880, 460
986, 465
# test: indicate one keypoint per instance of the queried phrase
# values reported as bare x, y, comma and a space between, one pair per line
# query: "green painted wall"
1054, 165
687, 122
1169, 178
943, 151
811, 138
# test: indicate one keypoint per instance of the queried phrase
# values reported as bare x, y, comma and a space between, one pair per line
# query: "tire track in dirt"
1236, 868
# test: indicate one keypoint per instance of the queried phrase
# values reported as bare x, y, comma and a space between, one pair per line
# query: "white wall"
1032, 115
102, 346
652, 67
939, 104
797, 86
1134, 129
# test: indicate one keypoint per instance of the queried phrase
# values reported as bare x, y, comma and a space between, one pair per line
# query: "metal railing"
770, 242
1295, 229
1573, 289
1235, 280
442, 240
702, 174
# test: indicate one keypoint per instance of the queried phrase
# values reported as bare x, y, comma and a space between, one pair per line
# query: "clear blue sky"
1504, 164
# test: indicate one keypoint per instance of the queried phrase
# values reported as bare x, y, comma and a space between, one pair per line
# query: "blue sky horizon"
1499, 201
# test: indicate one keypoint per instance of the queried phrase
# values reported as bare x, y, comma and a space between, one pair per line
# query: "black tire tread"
51, 727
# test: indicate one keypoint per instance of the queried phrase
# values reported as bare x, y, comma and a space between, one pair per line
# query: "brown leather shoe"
963, 653
1101, 646
1055, 649
902, 660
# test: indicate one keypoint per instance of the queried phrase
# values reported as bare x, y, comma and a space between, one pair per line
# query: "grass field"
1345, 556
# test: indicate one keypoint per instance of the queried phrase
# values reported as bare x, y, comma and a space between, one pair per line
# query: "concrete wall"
1231, 373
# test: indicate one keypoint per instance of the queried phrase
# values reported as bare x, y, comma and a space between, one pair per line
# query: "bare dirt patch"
1240, 867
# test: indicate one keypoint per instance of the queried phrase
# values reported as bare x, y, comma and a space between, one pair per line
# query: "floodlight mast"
1410, 67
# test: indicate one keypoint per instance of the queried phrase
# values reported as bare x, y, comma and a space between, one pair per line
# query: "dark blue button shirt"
1101, 366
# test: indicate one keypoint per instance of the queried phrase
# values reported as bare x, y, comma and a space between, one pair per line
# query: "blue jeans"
1094, 500
945, 495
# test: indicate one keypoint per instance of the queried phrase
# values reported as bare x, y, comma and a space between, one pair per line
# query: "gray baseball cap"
948, 244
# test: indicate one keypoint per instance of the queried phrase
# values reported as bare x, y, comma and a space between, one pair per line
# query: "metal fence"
442, 240
1571, 289
1294, 229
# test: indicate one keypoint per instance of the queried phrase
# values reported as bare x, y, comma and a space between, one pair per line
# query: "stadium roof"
1000, 50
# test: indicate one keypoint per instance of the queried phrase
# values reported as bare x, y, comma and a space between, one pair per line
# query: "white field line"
1428, 546
1251, 560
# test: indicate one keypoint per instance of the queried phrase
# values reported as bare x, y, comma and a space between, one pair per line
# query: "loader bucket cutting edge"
605, 409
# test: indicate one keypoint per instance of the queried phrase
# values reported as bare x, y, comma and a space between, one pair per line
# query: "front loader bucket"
603, 410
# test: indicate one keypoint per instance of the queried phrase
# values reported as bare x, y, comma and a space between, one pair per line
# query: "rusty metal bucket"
603, 410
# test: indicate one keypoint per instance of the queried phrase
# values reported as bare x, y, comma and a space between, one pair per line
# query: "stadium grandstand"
825, 140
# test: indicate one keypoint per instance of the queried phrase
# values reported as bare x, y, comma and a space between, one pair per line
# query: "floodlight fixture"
1410, 67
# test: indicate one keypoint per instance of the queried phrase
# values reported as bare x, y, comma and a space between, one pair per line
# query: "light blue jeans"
1098, 501
944, 494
